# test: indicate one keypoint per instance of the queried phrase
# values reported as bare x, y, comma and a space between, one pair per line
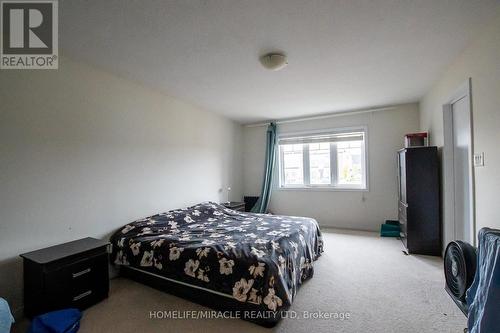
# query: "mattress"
253, 258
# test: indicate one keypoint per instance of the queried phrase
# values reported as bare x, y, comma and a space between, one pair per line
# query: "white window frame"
333, 162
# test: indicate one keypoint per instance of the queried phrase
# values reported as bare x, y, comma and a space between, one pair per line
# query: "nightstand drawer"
77, 275
88, 274
88, 297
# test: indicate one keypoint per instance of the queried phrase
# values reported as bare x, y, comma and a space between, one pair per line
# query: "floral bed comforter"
255, 258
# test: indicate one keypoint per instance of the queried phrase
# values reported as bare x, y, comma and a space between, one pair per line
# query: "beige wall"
364, 210
481, 62
83, 152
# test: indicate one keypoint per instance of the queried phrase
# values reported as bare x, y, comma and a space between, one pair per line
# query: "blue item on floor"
389, 230
483, 296
61, 321
6, 319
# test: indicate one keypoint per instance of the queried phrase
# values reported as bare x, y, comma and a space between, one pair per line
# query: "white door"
458, 174
461, 165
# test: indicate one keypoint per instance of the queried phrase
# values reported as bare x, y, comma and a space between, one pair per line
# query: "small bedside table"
234, 205
73, 274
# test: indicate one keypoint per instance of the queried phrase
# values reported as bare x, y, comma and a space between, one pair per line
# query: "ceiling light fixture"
273, 61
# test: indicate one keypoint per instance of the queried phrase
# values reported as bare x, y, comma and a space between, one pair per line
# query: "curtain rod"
330, 115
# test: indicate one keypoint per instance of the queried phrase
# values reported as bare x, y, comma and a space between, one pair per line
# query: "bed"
249, 264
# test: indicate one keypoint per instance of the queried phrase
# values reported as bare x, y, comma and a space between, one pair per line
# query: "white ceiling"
343, 54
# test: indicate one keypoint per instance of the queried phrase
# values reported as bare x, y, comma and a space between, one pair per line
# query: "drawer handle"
82, 295
85, 271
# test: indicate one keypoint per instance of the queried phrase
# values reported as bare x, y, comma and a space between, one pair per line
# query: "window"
327, 160
293, 164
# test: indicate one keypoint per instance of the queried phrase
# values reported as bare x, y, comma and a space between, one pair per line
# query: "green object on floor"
389, 230
389, 233
390, 227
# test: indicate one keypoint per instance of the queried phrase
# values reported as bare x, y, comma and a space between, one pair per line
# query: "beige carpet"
359, 273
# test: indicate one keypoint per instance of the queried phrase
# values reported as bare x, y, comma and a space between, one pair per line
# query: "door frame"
449, 230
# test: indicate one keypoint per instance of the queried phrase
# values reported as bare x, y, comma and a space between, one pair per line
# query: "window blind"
337, 137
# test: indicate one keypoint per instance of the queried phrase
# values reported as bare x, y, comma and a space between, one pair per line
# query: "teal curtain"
265, 194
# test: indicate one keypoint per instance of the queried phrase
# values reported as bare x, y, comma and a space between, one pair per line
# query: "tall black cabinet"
418, 204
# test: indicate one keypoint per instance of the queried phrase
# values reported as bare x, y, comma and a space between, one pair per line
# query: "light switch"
479, 159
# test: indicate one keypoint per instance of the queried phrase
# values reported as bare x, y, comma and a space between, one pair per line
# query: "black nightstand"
234, 205
73, 274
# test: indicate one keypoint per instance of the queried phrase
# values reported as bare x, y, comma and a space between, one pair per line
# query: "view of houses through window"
349, 162
293, 164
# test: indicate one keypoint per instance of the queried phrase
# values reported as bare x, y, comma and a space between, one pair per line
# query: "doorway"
458, 177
